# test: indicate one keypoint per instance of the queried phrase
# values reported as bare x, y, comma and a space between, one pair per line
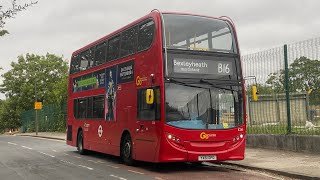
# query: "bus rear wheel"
126, 150
80, 147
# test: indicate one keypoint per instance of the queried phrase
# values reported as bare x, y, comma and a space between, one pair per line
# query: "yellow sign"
38, 105
254, 93
225, 125
204, 135
149, 96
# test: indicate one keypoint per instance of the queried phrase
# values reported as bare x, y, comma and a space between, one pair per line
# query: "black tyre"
126, 150
80, 147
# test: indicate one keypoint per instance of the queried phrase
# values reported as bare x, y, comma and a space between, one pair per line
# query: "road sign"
38, 105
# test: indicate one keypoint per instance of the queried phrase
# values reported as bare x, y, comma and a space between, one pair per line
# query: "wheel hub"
127, 149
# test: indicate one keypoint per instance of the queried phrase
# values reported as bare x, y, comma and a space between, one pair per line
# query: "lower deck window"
89, 107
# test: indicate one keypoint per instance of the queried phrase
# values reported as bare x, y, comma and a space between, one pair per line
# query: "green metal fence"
288, 82
50, 119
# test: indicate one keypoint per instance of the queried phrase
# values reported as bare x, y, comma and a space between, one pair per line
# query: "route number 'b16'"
223, 68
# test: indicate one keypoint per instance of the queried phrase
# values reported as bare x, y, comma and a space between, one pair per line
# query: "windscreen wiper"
227, 82
218, 86
183, 83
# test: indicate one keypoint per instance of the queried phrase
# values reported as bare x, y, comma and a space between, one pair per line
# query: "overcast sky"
63, 26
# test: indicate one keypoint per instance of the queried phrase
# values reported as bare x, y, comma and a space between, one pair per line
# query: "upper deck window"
100, 54
130, 41
146, 33
198, 33
113, 48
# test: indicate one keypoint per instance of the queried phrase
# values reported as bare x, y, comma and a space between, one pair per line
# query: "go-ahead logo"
204, 135
139, 80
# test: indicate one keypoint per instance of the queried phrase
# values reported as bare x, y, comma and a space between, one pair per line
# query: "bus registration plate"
207, 158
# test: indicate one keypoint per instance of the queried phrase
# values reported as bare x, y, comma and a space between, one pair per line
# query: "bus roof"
153, 13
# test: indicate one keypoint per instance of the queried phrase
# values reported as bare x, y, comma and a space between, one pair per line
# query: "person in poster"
110, 95
75, 85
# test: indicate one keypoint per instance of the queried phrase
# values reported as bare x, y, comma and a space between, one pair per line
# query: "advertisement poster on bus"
111, 93
125, 72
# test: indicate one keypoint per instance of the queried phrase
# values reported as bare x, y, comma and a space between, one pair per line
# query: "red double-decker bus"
165, 88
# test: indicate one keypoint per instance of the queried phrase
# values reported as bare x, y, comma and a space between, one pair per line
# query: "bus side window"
145, 36
82, 108
129, 41
86, 59
98, 107
100, 54
148, 111
75, 108
90, 57
75, 64
113, 48
83, 61
89, 108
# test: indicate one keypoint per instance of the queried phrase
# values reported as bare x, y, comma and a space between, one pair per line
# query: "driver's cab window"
148, 111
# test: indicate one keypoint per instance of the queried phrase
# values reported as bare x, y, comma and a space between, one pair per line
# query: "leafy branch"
11, 13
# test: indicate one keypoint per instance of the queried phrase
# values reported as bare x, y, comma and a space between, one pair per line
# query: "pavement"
286, 163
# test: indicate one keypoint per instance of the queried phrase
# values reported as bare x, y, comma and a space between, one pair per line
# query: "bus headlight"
174, 139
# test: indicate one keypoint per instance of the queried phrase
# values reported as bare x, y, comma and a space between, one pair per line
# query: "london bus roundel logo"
204, 135
100, 131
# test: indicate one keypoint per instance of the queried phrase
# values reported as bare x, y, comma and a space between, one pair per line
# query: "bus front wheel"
126, 150
80, 147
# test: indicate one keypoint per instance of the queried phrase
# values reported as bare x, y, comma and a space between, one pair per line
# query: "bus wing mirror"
149, 96
254, 93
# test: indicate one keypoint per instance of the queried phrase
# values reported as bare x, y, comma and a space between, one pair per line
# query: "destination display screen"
197, 66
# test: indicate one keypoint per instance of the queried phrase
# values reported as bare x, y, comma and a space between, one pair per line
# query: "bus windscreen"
198, 33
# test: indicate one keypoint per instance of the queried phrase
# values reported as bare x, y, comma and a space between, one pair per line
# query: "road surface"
36, 158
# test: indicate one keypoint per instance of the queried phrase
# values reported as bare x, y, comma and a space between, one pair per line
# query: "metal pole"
36, 111
287, 87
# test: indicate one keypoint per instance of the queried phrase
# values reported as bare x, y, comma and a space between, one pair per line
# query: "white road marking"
76, 165
12, 143
26, 147
46, 154
137, 172
93, 161
100, 162
77, 157
43, 138
270, 176
112, 166
86, 167
118, 177
66, 154
159, 178
67, 162
54, 150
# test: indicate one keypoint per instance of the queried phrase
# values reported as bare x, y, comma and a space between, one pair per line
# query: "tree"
11, 13
303, 77
44, 75
2, 125
9, 115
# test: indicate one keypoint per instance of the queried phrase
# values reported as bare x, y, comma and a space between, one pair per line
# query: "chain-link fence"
288, 83
51, 118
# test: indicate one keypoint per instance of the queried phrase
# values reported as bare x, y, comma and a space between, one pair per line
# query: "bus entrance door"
146, 140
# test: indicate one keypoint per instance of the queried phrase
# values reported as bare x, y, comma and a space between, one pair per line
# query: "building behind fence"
286, 110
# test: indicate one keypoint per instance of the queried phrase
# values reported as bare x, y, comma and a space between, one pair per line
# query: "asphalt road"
36, 158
